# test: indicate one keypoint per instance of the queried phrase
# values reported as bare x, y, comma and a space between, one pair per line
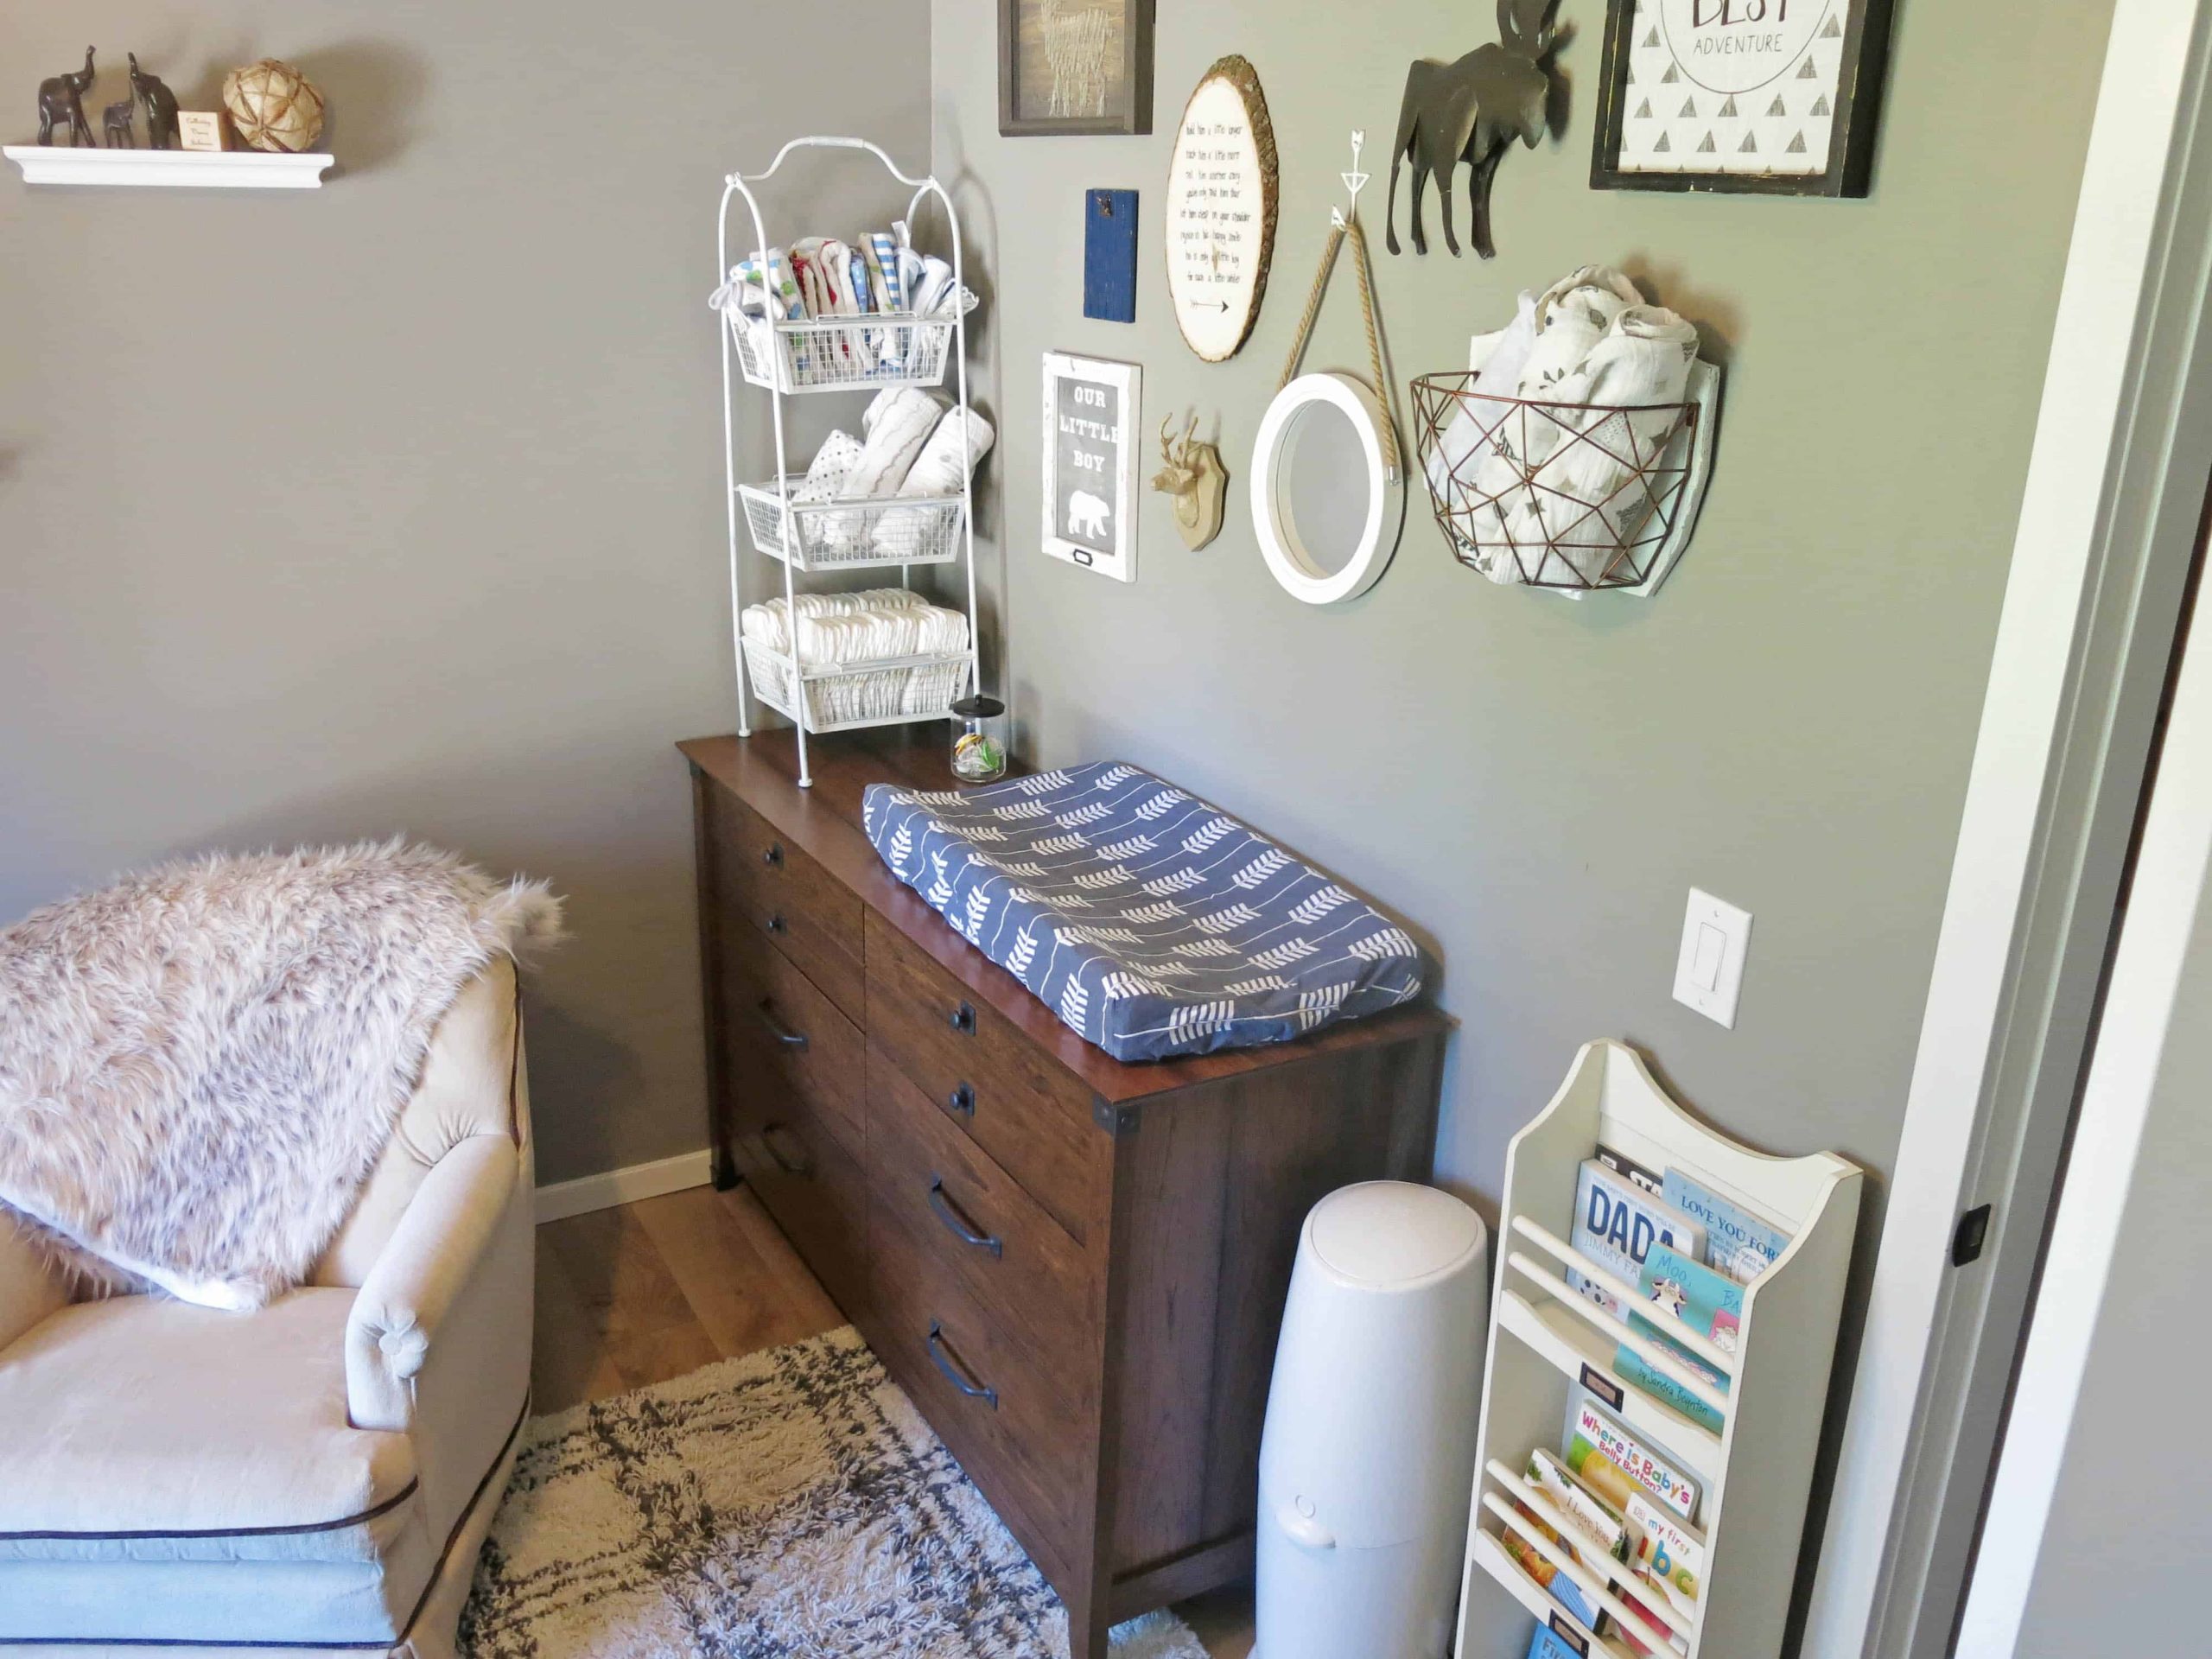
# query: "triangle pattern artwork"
1783, 124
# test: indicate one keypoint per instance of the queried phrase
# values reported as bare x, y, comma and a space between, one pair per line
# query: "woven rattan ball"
274, 106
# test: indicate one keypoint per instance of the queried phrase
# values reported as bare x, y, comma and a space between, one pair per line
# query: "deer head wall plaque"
1194, 476
1471, 110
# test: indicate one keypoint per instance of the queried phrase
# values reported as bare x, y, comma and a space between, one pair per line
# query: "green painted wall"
1536, 783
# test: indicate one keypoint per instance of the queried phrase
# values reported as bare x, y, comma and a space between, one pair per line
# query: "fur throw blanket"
199, 1065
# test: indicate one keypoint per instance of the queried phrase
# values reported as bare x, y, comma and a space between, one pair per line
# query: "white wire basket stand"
861, 353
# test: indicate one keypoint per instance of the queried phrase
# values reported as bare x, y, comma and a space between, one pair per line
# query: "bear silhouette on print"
1087, 516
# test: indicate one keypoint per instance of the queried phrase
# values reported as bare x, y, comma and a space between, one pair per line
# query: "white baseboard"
613, 1186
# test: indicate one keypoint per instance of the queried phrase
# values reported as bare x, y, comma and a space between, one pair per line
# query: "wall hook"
1354, 181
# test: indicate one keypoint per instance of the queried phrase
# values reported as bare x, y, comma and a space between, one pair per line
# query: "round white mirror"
1327, 506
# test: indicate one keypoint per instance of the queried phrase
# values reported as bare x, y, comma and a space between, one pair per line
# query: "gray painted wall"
1536, 783
2122, 1562
398, 506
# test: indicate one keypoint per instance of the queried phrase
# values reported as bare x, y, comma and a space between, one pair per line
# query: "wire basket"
852, 532
839, 353
858, 694
1574, 496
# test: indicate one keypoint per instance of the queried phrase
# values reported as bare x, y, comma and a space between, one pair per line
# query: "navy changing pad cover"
1149, 921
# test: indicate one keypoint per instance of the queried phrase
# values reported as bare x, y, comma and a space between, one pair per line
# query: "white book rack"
865, 354
1547, 1342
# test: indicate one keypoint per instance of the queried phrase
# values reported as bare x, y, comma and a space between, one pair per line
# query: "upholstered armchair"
320, 1474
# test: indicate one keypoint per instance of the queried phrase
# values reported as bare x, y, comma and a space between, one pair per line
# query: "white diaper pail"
1367, 1456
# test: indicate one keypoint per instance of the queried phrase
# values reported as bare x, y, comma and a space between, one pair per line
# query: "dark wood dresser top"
762, 771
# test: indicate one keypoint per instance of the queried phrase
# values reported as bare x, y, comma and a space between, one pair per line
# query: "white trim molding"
626, 1185
2164, 903
2116, 483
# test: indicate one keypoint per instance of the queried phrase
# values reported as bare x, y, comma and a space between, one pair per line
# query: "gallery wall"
397, 507
1536, 783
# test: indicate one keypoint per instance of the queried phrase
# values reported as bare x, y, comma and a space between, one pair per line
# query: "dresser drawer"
1007, 1252
780, 1022
808, 915
806, 1177
1030, 1451
988, 1079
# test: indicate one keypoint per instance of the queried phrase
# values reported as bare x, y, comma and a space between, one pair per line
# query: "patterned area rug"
790, 1505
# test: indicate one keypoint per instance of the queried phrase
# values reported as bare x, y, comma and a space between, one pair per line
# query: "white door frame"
2163, 906
2116, 481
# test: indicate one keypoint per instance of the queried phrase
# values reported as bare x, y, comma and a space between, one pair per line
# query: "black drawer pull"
777, 1029
941, 1357
772, 854
777, 924
958, 1228
964, 1019
804, 1167
962, 1099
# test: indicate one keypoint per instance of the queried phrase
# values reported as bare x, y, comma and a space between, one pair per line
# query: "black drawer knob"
962, 1099
777, 924
964, 1019
772, 855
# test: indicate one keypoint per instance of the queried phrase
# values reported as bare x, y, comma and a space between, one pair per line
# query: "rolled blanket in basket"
833, 464
1465, 440
898, 423
1565, 482
942, 469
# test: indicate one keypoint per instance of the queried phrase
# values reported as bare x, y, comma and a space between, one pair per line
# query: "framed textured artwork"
1089, 456
1772, 96
1074, 66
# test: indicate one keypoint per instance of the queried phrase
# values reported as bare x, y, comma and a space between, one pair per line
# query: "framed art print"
1089, 462
1772, 96
1074, 66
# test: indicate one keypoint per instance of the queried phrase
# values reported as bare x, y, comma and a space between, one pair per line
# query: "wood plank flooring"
649, 1291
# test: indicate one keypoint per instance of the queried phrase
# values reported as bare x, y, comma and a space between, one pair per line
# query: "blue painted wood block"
1110, 255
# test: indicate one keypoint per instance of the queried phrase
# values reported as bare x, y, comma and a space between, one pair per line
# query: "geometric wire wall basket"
1572, 496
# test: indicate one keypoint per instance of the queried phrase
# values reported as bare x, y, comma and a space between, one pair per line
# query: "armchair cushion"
162, 1432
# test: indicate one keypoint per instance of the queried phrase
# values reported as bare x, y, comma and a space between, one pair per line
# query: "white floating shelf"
195, 169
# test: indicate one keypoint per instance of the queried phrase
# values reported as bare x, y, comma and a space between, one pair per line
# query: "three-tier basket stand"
865, 353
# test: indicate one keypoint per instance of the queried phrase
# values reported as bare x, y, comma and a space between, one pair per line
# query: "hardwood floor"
648, 1291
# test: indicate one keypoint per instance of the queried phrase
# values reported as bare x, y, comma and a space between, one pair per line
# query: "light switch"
1709, 972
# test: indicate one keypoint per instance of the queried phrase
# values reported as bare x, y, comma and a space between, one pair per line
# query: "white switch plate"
1709, 972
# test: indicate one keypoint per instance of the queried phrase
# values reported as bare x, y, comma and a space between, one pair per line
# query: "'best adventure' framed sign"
1090, 414
1775, 96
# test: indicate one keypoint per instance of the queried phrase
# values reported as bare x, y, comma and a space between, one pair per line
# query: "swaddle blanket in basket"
1149, 921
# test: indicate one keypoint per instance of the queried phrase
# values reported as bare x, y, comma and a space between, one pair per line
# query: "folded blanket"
199, 1065
946, 463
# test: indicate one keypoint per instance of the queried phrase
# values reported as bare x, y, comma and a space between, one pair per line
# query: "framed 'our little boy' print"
1089, 463
1774, 95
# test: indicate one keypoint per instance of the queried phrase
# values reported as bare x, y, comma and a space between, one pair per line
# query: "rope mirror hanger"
1327, 559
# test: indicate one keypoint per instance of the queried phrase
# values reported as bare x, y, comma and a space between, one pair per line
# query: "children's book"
1687, 1292
1741, 1244
1629, 1170
1615, 1465
1538, 1567
1598, 1535
1666, 1553
1615, 1224
1544, 1644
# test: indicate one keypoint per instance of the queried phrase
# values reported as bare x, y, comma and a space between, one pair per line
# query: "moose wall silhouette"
61, 98
1471, 110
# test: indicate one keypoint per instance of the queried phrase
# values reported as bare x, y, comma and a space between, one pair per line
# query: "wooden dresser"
1075, 1266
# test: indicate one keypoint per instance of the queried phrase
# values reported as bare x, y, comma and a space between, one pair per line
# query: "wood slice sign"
1220, 210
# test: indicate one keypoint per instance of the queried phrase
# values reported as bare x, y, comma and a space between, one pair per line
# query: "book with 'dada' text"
1615, 1224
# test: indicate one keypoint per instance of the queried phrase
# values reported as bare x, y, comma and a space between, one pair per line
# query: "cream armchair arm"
29, 1290
451, 1269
